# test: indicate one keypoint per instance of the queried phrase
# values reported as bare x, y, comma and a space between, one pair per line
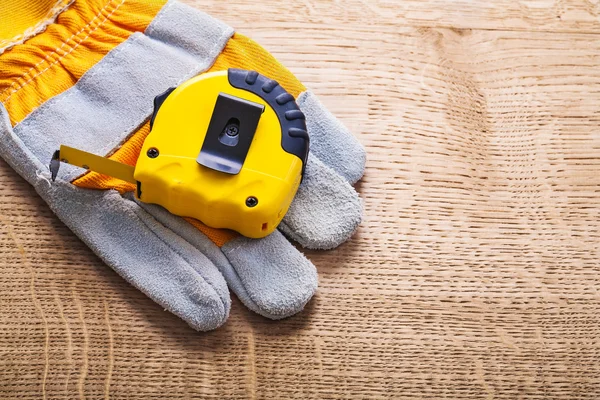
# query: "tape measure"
228, 148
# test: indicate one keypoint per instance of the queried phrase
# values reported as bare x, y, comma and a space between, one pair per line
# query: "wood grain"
578, 16
475, 274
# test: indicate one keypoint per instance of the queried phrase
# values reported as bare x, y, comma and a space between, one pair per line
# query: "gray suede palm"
159, 253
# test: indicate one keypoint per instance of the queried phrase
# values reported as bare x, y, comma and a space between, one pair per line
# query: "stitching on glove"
41, 176
230, 251
13, 91
26, 122
41, 26
162, 13
85, 77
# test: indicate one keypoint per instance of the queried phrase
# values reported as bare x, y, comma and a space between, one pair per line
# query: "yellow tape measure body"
227, 148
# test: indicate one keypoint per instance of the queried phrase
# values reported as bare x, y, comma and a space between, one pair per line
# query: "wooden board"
475, 274
579, 16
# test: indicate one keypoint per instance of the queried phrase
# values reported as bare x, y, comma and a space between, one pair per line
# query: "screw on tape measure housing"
228, 148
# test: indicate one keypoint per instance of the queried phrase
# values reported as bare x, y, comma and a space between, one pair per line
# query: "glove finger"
269, 275
326, 210
275, 277
148, 255
330, 141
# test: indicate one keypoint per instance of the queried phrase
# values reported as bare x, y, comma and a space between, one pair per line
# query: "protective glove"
88, 81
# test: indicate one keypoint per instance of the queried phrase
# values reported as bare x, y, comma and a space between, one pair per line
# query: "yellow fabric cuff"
26, 18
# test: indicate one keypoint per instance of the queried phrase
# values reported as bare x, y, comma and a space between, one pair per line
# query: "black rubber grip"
294, 137
158, 100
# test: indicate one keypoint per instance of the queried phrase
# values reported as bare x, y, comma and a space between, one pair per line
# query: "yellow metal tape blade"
97, 163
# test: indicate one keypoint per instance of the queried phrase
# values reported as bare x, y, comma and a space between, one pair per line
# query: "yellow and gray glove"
87, 79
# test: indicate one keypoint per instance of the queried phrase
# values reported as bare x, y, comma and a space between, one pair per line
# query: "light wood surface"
475, 274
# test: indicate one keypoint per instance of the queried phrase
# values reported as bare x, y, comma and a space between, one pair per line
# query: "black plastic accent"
269, 86
251, 77
294, 136
284, 98
158, 100
293, 115
232, 118
55, 165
